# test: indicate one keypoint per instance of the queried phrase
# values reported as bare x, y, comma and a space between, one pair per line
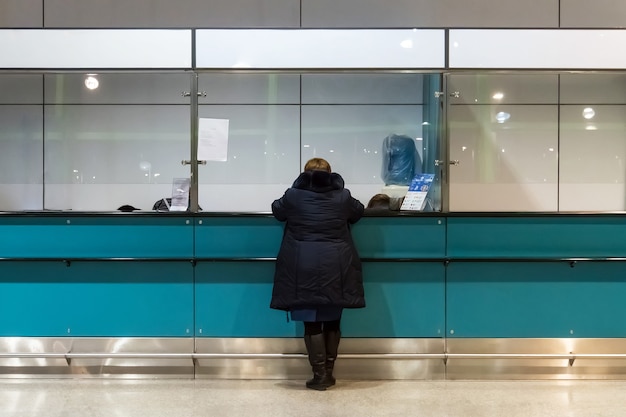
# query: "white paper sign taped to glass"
415, 198
180, 194
213, 139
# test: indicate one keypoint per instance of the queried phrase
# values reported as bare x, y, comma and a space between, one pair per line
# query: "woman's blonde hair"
317, 164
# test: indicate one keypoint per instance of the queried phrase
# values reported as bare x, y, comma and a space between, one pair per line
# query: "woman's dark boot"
332, 338
316, 348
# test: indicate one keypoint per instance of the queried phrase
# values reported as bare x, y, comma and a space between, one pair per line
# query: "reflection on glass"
588, 113
91, 82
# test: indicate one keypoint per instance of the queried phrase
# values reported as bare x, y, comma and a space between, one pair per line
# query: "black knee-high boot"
316, 348
332, 338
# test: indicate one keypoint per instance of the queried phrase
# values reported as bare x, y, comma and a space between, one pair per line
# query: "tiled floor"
191, 398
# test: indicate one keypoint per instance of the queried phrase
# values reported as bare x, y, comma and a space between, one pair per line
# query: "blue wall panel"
400, 237
537, 236
536, 299
106, 299
238, 237
96, 237
233, 299
404, 299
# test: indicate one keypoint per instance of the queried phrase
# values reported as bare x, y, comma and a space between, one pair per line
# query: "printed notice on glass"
212, 139
415, 198
180, 194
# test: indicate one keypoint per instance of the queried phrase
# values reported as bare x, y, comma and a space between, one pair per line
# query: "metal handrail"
145, 355
193, 259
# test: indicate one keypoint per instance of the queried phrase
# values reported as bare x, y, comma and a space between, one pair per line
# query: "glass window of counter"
377, 130
114, 139
537, 142
503, 134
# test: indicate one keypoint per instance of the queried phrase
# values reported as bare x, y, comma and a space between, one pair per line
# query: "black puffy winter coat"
318, 264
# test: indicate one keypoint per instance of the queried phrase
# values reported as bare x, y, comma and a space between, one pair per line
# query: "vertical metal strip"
193, 192
558, 143
43, 142
444, 140
445, 145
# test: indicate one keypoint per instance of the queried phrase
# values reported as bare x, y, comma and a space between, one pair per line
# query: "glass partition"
279, 121
537, 142
503, 142
519, 142
263, 139
113, 139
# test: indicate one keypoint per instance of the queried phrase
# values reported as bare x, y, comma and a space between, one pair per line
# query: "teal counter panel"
238, 237
400, 237
96, 299
537, 237
96, 237
375, 237
536, 300
404, 299
233, 298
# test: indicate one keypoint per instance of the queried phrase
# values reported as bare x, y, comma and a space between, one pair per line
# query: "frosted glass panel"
21, 157
320, 48
351, 138
593, 88
536, 48
503, 164
362, 88
249, 88
504, 89
117, 88
90, 149
95, 48
21, 89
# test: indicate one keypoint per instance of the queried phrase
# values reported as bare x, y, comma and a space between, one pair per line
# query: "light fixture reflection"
502, 116
91, 82
407, 44
498, 96
588, 113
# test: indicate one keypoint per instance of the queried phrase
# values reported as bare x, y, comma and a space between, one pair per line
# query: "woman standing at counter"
318, 270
